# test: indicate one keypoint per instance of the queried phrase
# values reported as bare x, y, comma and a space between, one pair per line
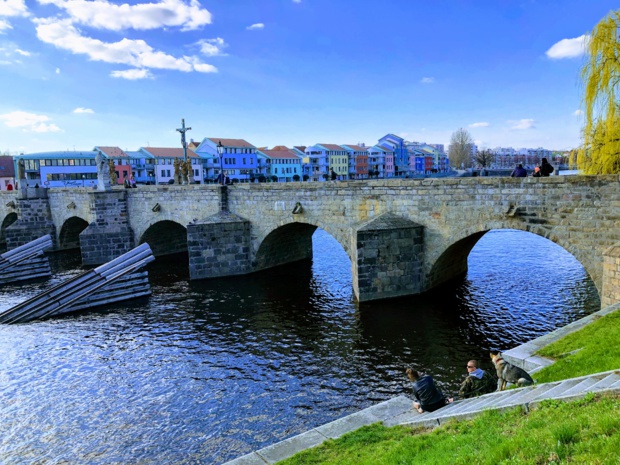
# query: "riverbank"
584, 347
584, 431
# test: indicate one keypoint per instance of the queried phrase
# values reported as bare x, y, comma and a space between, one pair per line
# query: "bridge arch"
165, 237
8, 221
69, 237
451, 260
289, 242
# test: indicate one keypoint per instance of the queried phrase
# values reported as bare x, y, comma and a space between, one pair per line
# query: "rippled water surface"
202, 372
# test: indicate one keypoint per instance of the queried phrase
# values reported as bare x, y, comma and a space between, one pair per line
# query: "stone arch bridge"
403, 236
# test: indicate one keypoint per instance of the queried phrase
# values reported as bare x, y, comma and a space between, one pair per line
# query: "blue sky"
76, 74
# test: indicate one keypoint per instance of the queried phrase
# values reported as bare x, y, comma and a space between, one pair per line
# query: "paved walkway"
399, 411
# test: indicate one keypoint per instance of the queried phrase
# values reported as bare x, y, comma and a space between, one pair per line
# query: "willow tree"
600, 153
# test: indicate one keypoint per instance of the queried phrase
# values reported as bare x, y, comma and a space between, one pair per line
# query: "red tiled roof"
301, 148
332, 147
113, 152
235, 143
7, 169
193, 145
281, 154
169, 152
357, 148
280, 147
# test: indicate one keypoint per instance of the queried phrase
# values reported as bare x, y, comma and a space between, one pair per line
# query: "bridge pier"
389, 258
34, 218
110, 235
219, 246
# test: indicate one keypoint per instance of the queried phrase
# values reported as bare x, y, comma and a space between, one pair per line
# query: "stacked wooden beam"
26, 262
117, 280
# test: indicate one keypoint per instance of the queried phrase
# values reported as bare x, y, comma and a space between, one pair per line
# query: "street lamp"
220, 151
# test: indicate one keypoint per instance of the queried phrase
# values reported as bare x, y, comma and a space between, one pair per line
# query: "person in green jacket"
478, 382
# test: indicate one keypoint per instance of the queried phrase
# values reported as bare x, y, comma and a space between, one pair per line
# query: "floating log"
26, 262
117, 280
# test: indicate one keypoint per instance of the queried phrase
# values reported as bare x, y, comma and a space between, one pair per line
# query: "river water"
202, 372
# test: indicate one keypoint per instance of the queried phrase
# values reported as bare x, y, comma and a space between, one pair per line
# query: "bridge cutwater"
403, 236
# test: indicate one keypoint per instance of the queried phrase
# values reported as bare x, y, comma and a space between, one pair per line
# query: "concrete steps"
400, 411
569, 389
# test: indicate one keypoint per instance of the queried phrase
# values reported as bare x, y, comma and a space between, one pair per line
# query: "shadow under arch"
8, 221
69, 237
286, 244
165, 237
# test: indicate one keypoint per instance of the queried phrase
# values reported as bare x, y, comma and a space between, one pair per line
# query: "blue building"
59, 169
238, 160
401, 155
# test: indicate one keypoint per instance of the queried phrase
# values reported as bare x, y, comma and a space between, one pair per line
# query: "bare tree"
484, 158
461, 144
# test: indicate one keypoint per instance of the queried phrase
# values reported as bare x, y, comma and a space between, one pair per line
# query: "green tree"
461, 144
600, 153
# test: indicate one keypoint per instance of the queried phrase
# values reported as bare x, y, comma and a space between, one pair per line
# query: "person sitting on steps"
478, 382
428, 397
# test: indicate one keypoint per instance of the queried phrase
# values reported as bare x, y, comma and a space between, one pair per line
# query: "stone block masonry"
34, 218
389, 258
109, 235
219, 246
579, 213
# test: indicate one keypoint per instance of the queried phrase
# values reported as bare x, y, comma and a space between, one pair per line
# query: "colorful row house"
281, 163
236, 158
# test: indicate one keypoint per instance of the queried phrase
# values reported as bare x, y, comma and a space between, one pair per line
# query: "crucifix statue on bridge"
183, 130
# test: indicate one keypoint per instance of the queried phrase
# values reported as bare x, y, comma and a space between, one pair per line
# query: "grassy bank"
586, 431
592, 349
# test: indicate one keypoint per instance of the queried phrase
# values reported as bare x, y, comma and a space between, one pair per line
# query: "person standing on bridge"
519, 172
428, 397
545, 168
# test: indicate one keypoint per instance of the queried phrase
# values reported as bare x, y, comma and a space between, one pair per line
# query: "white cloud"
4, 25
482, 124
28, 122
102, 14
22, 52
132, 74
568, 48
522, 124
427, 80
137, 53
57, 70
578, 112
255, 26
13, 8
212, 47
296, 1
84, 110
